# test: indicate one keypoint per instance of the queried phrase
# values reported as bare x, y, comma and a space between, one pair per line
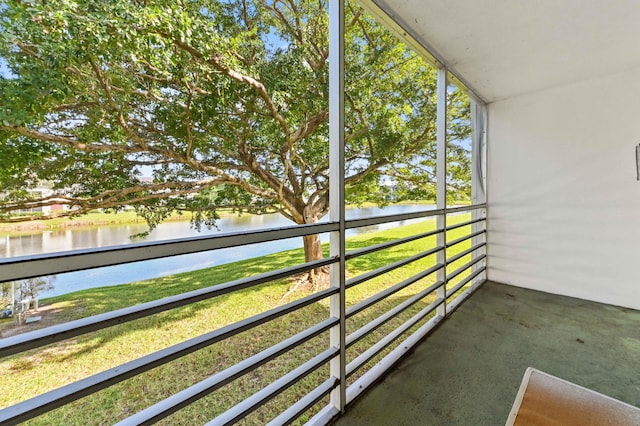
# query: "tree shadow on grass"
259, 298
153, 386
95, 301
157, 384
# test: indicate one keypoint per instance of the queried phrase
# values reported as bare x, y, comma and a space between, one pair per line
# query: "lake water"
102, 236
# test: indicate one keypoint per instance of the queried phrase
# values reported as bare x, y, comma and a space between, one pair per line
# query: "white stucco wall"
563, 199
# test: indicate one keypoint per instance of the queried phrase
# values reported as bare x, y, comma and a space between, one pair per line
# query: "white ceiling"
505, 48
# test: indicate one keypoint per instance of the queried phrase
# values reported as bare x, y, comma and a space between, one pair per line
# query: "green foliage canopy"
225, 103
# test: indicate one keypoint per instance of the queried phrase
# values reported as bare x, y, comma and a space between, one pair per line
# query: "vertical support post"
13, 298
336, 195
638, 162
441, 184
478, 180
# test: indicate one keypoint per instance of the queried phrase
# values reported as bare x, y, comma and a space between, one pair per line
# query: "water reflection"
79, 238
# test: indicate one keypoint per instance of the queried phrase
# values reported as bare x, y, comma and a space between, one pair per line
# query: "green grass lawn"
38, 371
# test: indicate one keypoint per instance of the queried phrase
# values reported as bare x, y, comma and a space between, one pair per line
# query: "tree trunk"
312, 247
317, 277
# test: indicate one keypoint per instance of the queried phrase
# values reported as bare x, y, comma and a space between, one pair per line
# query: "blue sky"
4, 70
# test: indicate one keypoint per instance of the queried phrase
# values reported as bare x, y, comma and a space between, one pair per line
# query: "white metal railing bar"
56, 333
273, 389
478, 185
337, 243
379, 346
470, 222
394, 355
466, 208
294, 411
23, 267
465, 238
325, 415
377, 220
441, 179
365, 381
175, 402
388, 244
352, 310
466, 252
75, 260
390, 314
58, 397
53, 334
390, 267
455, 303
464, 267
465, 281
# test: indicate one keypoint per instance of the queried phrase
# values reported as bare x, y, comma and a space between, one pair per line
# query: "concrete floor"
469, 370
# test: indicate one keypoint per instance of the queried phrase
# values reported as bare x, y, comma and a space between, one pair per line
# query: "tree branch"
107, 89
216, 62
69, 141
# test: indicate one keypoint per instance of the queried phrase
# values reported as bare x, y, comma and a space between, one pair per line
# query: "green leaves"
226, 99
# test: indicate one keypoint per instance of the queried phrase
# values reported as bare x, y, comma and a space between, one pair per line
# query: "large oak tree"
224, 103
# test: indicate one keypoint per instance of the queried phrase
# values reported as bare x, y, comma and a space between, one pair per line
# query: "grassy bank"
62, 363
120, 218
90, 219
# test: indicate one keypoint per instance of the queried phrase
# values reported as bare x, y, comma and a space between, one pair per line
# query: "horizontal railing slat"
358, 307
273, 389
455, 303
390, 267
465, 238
371, 249
177, 401
324, 416
385, 364
375, 349
390, 314
462, 254
56, 333
294, 411
22, 267
466, 208
465, 267
48, 401
470, 222
48, 264
465, 281
377, 220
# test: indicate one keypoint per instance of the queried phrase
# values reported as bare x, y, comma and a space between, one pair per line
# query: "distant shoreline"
108, 219
90, 219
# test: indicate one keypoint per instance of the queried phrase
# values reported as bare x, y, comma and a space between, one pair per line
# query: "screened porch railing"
448, 283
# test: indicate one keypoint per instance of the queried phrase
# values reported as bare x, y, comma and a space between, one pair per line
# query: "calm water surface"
102, 236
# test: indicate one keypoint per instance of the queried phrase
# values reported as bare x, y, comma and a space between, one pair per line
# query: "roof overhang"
505, 48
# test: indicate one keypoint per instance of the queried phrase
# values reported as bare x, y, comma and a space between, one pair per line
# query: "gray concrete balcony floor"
468, 371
